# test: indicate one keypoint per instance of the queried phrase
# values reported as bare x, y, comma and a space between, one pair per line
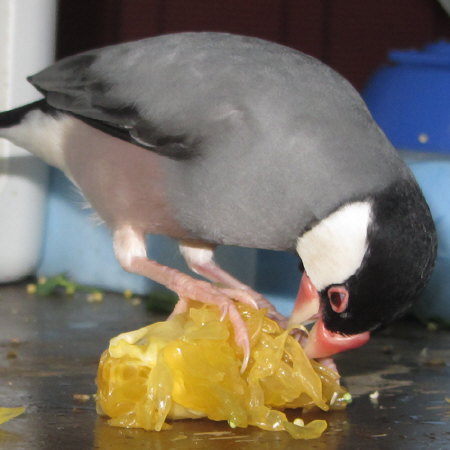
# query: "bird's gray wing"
95, 87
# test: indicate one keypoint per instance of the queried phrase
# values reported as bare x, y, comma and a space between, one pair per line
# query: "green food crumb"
347, 397
158, 301
52, 285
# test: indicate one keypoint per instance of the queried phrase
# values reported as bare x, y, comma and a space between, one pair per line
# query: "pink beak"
321, 342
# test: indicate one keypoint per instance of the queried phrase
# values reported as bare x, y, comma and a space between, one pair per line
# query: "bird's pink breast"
123, 183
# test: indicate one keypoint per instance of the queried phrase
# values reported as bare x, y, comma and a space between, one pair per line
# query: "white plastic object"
27, 42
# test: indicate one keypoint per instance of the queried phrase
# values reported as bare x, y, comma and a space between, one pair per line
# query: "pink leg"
200, 259
130, 250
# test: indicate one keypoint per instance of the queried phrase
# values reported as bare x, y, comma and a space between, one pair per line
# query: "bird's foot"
199, 257
225, 299
262, 302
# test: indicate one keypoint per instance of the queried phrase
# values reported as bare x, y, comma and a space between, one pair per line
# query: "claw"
223, 312
240, 335
223, 298
241, 296
245, 360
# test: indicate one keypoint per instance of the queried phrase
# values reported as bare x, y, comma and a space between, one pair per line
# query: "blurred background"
351, 36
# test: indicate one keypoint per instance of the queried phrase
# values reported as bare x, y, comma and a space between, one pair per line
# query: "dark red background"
353, 36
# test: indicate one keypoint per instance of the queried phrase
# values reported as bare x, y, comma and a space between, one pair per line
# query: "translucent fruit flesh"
189, 367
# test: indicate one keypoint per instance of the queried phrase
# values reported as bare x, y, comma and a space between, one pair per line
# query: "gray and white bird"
217, 139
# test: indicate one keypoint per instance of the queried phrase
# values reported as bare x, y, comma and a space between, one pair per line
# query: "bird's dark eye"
338, 297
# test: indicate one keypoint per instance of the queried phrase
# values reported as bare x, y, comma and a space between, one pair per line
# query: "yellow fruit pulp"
7, 414
189, 367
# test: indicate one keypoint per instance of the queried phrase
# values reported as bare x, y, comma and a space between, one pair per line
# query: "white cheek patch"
333, 250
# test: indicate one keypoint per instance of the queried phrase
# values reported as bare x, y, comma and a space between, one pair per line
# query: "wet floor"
49, 350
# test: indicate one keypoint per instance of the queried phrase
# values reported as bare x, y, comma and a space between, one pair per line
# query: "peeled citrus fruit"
189, 367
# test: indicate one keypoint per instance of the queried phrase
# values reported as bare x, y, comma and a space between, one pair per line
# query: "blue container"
433, 174
410, 100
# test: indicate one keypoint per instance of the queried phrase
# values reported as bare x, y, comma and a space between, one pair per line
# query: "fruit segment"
189, 367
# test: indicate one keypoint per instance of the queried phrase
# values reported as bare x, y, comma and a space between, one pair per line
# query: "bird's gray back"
274, 140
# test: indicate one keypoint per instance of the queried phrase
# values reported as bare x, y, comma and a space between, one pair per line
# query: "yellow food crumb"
189, 367
299, 422
128, 293
31, 288
180, 437
93, 297
81, 397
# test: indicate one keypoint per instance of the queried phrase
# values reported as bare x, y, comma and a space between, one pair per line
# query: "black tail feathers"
14, 116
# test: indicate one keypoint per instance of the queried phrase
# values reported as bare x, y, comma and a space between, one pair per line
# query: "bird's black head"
400, 255
395, 242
